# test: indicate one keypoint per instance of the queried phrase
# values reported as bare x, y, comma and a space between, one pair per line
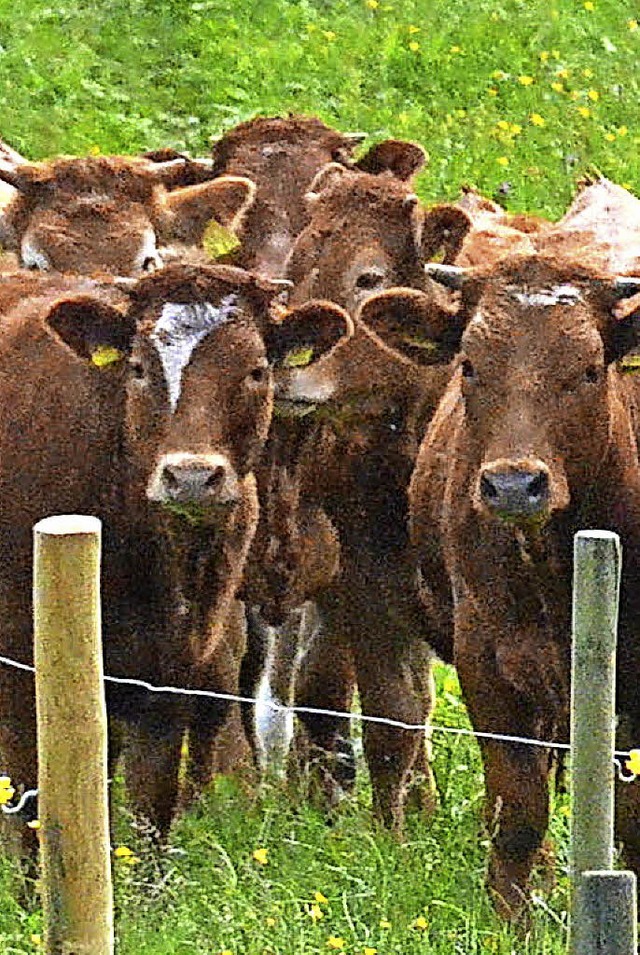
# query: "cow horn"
8, 153
626, 286
355, 138
165, 171
451, 276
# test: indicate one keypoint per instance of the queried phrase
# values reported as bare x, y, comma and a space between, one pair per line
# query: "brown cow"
110, 213
150, 413
281, 155
532, 441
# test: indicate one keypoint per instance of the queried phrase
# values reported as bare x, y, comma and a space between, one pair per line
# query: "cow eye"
468, 371
592, 374
137, 369
259, 374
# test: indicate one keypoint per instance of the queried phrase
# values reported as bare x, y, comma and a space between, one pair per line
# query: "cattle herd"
363, 437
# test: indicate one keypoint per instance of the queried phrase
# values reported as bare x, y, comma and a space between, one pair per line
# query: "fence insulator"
72, 738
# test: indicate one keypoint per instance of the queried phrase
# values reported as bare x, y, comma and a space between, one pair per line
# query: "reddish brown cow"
110, 213
281, 155
161, 444
532, 441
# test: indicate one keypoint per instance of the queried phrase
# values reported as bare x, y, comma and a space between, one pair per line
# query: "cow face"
199, 346
110, 214
536, 381
368, 233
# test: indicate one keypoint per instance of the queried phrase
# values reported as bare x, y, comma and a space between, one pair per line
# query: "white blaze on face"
180, 329
32, 257
148, 257
556, 295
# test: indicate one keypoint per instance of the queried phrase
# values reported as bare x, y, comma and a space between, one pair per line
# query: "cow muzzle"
194, 484
516, 492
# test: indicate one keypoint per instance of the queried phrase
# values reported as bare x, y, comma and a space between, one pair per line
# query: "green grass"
474, 83
208, 894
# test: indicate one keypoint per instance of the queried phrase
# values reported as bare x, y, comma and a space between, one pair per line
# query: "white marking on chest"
32, 257
478, 321
556, 295
180, 329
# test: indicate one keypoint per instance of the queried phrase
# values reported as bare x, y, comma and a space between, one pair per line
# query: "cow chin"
196, 489
521, 493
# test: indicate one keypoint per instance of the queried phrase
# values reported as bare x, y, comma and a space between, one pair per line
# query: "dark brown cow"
281, 155
160, 443
110, 213
532, 441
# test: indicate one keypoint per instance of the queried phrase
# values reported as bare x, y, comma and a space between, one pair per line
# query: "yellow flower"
95, 151
502, 124
557, 87
544, 56
622, 130
384, 923
335, 943
369, 951
495, 16
587, 74
329, 35
314, 912
633, 763
610, 137
498, 75
455, 49
589, 5
492, 91
413, 29
516, 129
261, 856
563, 74
536, 119
36, 939
555, 54
124, 853
574, 95
503, 160
421, 923
226, 951
633, 25
584, 111
372, 4
593, 95
320, 898
525, 80
270, 921
414, 47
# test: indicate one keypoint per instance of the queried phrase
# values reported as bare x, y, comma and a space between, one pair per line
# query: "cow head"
195, 355
367, 233
110, 214
281, 155
539, 339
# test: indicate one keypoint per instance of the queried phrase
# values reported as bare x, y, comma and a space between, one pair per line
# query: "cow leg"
516, 776
422, 792
326, 680
387, 689
152, 762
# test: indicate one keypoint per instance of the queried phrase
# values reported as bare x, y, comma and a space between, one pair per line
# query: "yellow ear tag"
104, 355
298, 358
218, 241
416, 341
630, 364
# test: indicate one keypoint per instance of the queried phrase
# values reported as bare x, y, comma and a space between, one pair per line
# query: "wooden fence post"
72, 738
596, 585
610, 909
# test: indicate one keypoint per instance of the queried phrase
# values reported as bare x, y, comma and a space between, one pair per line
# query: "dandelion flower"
413, 29
421, 923
516, 129
261, 856
584, 111
502, 124
563, 74
503, 160
622, 130
314, 912
414, 47
544, 56
492, 91
610, 137
372, 4
498, 75
36, 939
337, 944
369, 951
329, 35
557, 87
455, 49
633, 25
593, 95
589, 5
587, 74
536, 119
525, 80
385, 923
270, 921
320, 898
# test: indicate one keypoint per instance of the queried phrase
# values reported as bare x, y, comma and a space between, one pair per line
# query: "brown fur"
98, 441
537, 391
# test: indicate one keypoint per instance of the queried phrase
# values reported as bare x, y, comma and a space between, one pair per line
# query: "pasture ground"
518, 97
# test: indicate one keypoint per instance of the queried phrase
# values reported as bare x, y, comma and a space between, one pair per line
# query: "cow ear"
328, 176
306, 333
91, 329
421, 326
444, 229
621, 333
396, 156
186, 212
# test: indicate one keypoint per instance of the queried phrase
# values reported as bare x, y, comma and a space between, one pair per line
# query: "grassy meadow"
519, 98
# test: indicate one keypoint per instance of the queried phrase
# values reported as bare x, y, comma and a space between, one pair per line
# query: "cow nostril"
538, 485
170, 478
487, 489
213, 481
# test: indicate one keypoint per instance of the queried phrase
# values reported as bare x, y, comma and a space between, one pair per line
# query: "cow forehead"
180, 329
546, 296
